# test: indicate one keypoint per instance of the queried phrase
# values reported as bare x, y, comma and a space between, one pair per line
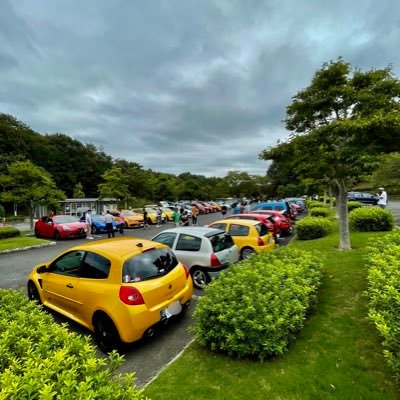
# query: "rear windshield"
64, 219
148, 265
220, 242
262, 229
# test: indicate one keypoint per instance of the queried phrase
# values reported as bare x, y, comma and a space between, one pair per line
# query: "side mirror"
41, 269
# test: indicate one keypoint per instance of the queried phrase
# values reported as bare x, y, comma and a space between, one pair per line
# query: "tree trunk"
344, 234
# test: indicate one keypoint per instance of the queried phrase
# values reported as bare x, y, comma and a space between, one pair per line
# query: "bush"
40, 359
256, 307
9, 232
383, 260
319, 212
313, 228
371, 219
352, 205
313, 204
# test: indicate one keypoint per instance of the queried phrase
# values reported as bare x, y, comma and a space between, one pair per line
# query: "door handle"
70, 285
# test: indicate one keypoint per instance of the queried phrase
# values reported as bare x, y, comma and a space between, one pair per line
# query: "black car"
363, 197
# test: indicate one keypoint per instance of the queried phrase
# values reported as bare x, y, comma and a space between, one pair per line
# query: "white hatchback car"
205, 251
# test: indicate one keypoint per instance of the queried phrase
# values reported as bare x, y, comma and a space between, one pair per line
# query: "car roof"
119, 246
195, 230
248, 222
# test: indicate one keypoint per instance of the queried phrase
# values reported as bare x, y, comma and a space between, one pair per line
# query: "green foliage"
319, 212
114, 184
41, 359
387, 173
313, 228
371, 219
352, 205
9, 232
383, 261
314, 204
257, 306
78, 191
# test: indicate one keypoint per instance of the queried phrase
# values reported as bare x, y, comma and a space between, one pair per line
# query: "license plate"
173, 309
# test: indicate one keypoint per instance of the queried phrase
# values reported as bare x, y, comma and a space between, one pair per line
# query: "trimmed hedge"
383, 261
313, 228
9, 232
352, 205
371, 219
40, 359
319, 212
314, 203
256, 307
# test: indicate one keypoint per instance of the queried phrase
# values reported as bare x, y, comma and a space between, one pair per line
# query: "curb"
37, 246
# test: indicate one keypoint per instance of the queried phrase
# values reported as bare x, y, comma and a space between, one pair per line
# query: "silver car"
205, 251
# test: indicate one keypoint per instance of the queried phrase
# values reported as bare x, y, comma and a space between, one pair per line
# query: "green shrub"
313, 228
257, 306
9, 232
314, 204
40, 359
383, 260
371, 219
319, 212
352, 205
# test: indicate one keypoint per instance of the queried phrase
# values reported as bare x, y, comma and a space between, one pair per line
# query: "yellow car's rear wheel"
106, 333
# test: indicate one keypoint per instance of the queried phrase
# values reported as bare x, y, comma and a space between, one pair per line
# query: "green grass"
19, 241
337, 355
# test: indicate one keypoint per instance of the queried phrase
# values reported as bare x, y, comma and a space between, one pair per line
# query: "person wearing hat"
382, 198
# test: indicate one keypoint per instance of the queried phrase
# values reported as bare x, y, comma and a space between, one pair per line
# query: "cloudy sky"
180, 85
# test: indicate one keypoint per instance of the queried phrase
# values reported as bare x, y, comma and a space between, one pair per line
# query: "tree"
114, 185
387, 174
339, 124
29, 185
78, 191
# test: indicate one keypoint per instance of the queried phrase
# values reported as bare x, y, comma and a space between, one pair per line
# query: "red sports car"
267, 219
284, 223
60, 227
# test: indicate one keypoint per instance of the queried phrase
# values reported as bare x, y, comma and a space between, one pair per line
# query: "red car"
202, 209
268, 220
60, 227
284, 223
211, 207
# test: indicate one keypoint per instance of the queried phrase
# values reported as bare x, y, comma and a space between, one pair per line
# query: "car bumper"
267, 247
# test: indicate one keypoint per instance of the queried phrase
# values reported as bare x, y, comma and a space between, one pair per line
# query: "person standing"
224, 210
88, 220
195, 212
382, 202
185, 218
109, 224
121, 223
176, 216
159, 216
145, 219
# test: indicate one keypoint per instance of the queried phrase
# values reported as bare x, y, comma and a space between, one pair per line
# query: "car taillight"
214, 261
186, 270
260, 242
130, 295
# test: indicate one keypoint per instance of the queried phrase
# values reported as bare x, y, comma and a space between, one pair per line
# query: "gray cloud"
180, 85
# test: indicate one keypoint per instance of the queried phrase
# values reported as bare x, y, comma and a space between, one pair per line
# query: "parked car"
275, 206
266, 219
99, 224
119, 289
60, 227
201, 207
285, 224
250, 236
151, 214
363, 197
132, 219
205, 251
168, 213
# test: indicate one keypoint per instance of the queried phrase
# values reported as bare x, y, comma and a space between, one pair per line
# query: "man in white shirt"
382, 202
109, 224
88, 220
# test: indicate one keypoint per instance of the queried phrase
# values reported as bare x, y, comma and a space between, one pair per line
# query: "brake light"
214, 261
260, 242
130, 295
186, 270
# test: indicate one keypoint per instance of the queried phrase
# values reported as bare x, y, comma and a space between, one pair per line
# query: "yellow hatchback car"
249, 236
120, 289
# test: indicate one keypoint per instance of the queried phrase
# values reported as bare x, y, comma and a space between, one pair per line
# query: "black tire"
37, 234
56, 235
246, 253
33, 293
106, 334
94, 229
200, 277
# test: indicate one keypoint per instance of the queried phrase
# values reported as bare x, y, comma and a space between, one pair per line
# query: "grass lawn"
20, 241
337, 355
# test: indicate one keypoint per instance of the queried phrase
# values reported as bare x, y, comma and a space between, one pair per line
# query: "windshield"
262, 229
128, 213
149, 265
97, 217
220, 242
64, 219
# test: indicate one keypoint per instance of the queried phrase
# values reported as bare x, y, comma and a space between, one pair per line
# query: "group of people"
109, 219
182, 216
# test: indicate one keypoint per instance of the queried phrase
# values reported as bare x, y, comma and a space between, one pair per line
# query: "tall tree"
30, 186
78, 191
339, 124
114, 185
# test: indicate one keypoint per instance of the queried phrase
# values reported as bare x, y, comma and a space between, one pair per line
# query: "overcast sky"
178, 86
